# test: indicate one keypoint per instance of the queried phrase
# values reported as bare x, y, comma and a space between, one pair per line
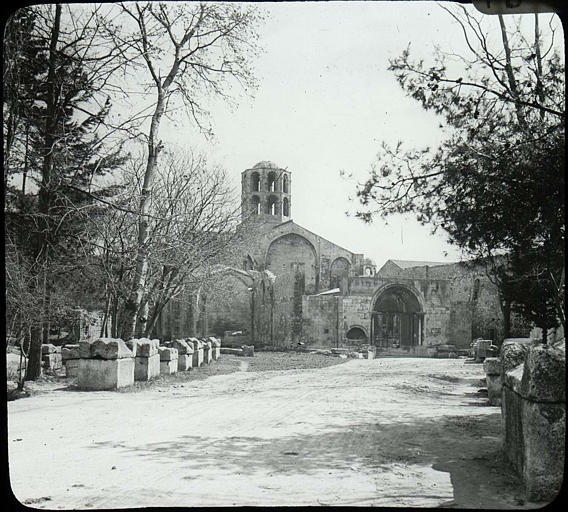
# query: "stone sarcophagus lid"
215, 347
70, 357
197, 352
147, 358
207, 351
185, 354
168, 360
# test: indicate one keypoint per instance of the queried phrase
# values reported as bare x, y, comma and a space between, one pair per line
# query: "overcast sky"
325, 102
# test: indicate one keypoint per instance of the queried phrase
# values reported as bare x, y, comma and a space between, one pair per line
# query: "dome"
265, 164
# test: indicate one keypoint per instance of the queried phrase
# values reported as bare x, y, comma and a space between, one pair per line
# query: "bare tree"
189, 50
53, 138
193, 218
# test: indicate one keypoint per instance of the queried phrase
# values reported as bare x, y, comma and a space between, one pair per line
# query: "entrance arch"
356, 335
397, 318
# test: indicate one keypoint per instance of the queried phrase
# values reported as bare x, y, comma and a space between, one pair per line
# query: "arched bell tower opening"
266, 193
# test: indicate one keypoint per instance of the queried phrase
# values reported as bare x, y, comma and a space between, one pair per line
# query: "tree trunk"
104, 325
21, 375
539, 88
506, 308
559, 300
139, 283
194, 313
205, 323
41, 248
33, 370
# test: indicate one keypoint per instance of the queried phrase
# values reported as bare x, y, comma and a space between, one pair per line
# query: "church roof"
265, 164
412, 263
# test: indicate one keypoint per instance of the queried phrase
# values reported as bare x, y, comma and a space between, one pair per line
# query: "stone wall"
230, 302
290, 255
534, 417
355, 313
284, 239
322, 322
460, 302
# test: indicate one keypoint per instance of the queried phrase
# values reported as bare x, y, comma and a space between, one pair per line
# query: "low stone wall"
232, 351
106, 363
416, 351
248, 350
534, 416
235, 341
492, 367
244, 351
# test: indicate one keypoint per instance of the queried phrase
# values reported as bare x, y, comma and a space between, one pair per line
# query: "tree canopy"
496, 183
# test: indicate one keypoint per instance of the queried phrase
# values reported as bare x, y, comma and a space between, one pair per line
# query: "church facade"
295, 286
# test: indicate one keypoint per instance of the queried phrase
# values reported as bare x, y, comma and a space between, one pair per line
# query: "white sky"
325, 102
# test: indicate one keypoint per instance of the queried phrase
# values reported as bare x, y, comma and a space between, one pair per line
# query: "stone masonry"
294, 286
105, 363
168, 360
197, 352
147, 359
70, 357
534, 418
185, 354
492, 367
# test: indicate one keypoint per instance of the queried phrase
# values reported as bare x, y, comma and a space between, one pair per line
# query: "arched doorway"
397, 319
356, 336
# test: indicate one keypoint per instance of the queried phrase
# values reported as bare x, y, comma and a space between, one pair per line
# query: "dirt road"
386, 432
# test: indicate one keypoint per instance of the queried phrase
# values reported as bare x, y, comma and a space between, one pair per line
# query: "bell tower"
266, 193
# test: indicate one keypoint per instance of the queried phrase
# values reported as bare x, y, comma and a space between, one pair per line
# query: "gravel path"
383, 432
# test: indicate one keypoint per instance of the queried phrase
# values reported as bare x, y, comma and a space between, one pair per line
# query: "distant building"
296, 286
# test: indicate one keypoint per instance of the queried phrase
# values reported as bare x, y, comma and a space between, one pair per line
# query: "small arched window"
285, 207
255, 178
285, 184
272, 206
272, 182
255, 205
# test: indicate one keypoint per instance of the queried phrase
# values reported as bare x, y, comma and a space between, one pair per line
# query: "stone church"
295, 286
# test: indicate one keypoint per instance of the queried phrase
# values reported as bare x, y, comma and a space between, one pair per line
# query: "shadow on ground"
466, 447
